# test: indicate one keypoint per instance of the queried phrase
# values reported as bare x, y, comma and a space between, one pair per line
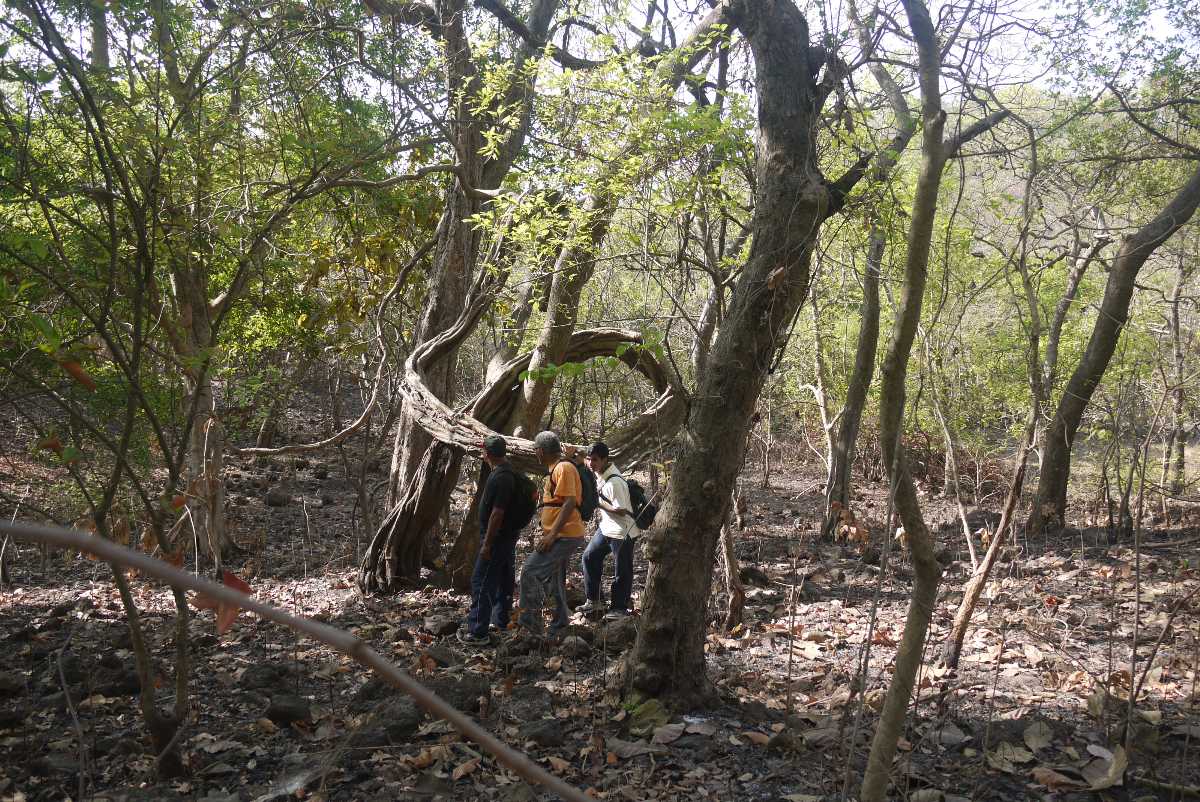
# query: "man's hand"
545, 542
486, 551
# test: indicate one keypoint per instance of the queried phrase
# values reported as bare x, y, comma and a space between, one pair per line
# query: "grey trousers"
541, 573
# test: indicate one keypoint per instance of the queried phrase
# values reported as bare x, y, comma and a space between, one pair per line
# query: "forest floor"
1026, 716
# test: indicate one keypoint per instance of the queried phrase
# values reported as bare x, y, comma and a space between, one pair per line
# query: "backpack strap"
552, 502
616, 475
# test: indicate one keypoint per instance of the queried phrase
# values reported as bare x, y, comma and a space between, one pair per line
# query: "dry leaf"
79, 374
558, 764
1037, 736
1033, 654
757, 737
226, 613
1052, 779
1101, 773
667, 733
465, 769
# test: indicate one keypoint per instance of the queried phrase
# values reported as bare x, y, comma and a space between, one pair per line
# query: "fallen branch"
338, 639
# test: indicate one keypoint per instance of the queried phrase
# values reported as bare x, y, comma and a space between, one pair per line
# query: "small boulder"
12, 715
575, 647
442, 655
401, 721
267, 676
463, 691
619, 635
120, 681
286, 709
546, 732
440, 625
278, 497
527, 703
12, 683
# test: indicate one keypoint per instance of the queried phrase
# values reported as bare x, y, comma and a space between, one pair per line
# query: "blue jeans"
492, 585
543, 572
593, 569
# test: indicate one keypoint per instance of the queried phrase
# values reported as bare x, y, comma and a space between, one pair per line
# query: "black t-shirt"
498, 492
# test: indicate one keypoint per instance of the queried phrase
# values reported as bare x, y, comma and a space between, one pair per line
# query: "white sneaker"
614, 615
588, 606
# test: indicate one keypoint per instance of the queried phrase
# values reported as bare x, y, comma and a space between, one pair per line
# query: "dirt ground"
1037, 710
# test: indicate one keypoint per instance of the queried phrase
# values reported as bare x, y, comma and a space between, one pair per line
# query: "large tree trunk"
458, 235
206, 489
1049, 509
792, 200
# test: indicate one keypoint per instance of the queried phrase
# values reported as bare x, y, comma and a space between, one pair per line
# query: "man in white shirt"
614, 534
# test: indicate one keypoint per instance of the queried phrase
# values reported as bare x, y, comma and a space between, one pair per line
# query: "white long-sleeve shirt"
613, 490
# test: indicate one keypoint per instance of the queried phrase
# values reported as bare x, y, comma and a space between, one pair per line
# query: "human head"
494, 449
597, 457
547, 447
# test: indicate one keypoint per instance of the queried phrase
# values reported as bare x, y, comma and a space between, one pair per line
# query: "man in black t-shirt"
494, 578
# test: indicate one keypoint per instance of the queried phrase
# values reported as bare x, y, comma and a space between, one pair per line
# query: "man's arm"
564, 513
615, 506
495, 521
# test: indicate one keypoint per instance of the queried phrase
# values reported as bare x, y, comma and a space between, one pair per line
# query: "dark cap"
494, 444
598, 449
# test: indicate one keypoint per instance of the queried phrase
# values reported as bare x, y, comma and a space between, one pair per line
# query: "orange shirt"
561, 484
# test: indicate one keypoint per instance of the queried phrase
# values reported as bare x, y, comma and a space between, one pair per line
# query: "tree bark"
1049, 509
926, 570
573, 268
99, 16
841, 456
792, 200
733, 579
457, 249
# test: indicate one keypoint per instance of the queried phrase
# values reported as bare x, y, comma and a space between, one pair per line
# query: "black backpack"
643, 511
525, 502
589, 496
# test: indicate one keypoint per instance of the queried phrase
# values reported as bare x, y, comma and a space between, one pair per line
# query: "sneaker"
613, 615
468, 638
588, 606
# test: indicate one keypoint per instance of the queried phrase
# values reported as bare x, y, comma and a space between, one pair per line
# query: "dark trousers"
593, 569
492, 586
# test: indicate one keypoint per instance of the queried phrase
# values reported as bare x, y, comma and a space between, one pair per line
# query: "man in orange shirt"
560, 541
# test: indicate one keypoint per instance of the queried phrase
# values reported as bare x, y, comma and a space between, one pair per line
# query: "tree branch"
338, 639
418, 14
973, 130
513, 23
